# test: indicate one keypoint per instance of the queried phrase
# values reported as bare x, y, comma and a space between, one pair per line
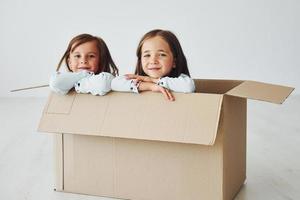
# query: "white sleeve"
121, 84
183, 83
63, 82
99, 84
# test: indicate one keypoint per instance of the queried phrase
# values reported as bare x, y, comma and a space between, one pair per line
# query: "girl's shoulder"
184, 75
106, 74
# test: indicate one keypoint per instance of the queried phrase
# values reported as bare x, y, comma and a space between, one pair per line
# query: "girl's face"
156, 57
85, 57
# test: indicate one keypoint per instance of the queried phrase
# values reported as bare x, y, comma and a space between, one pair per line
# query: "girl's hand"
139, 78
165, 91
147, 86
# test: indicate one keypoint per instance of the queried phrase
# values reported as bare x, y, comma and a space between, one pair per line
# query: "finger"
148, 79
171, 96
167, 94
136, 81
130, 76
139, 78
143, 78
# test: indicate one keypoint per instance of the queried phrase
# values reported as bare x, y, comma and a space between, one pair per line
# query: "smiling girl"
161, 67
90, 67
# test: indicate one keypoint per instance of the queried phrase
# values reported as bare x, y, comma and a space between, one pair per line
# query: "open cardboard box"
142, 146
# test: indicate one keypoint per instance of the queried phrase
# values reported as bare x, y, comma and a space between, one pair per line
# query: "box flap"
192, 118
261, 91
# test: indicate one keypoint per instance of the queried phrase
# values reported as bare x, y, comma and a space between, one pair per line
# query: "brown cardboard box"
142, 146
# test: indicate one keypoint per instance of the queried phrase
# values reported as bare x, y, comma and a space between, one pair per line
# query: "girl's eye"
162, 54
92, 56
146, 55
76, 56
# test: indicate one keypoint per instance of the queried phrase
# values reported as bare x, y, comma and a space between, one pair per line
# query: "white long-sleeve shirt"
83, 81
183, 83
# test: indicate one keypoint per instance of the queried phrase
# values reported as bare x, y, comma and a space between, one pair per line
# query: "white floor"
273, 165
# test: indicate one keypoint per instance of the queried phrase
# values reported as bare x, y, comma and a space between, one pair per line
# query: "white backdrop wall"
233, 39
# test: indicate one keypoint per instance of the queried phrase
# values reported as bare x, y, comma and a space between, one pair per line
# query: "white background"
233, 39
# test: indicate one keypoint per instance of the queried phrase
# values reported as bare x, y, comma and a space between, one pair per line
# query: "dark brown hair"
171, 39
106, 62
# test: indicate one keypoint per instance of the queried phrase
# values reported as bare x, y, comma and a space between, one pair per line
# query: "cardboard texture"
131, 146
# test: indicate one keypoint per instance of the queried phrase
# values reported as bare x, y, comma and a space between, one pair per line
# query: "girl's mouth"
153, 68
83, 68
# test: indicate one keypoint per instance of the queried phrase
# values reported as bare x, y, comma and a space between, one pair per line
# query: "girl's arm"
183, 83
63, 82
122, 84
99, 84
148, 86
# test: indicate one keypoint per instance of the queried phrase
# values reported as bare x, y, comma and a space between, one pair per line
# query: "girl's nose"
83, 61
153, 60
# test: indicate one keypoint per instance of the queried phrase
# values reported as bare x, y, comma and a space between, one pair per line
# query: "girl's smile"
153, 67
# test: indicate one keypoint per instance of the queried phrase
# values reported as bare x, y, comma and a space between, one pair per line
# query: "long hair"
171, 39
106, 63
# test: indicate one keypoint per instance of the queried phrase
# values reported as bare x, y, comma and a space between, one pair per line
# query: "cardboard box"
131, 146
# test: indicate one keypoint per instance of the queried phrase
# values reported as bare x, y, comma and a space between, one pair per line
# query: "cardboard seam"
228, 92
69, 110
222, 166
142, 119
105, 113
75, 96
114, 167
222, 131
52, 113
186, 124
63, 161
213, 139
